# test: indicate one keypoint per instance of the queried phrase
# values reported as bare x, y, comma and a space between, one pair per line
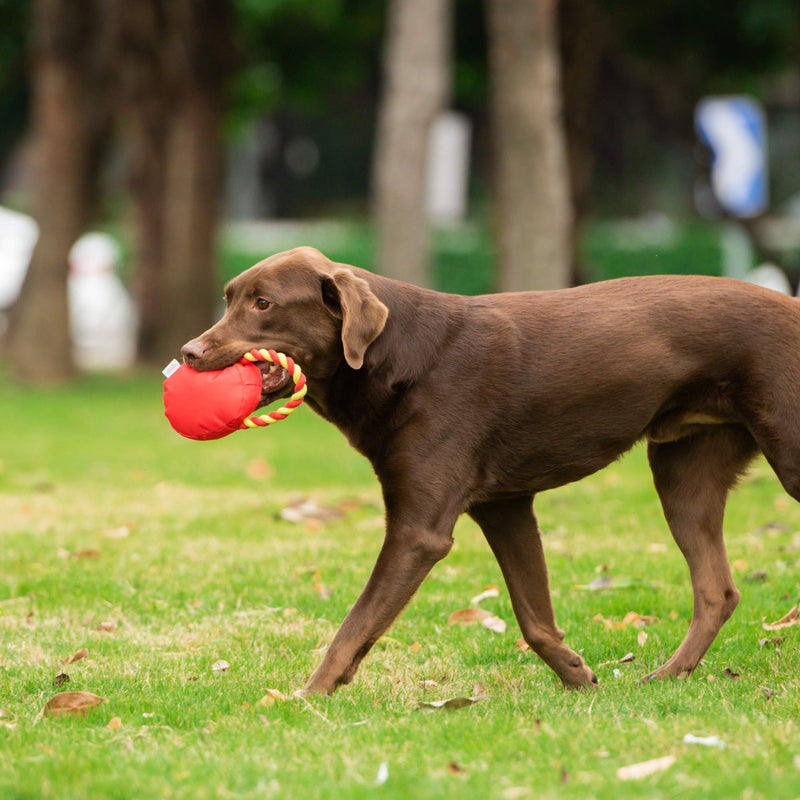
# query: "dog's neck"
422, 322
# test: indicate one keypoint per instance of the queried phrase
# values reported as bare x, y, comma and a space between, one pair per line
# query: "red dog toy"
210, 405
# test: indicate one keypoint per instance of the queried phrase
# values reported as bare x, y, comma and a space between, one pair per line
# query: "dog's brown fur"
475, 404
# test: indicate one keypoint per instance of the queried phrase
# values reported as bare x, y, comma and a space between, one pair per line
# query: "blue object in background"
734, 128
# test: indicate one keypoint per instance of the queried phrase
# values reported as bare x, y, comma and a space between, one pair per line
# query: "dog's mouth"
274, 380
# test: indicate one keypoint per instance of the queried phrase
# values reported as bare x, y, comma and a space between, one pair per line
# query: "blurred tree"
532, 211
309, 72
140, 34
175, 58
69, 121
416, 87
14, 23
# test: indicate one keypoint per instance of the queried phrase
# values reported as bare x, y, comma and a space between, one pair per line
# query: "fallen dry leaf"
739, 565
494, 623
641, 638
606, 623
70, 703
60, 680
455, 769
415, 647
271, 697
7, 719
86, 552
305, 510
466, 616
383, 774
220, 667
792, 617
489, 591
452, 704
523, 646
117, 533
627, 658
82, 653
644, 768
114, 724
777, 641
631, 619
323, 592
704, 741
729, 673
350, 504
259, 470
638, 620
608, 582
107, 627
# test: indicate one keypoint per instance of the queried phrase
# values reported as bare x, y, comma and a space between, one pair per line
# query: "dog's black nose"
193, 351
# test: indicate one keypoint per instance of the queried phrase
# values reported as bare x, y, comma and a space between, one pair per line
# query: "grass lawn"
162, 556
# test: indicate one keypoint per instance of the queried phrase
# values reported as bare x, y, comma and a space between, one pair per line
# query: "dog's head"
299, 303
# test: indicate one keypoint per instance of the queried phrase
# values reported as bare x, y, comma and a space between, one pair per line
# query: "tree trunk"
532, 205
416, 86
67, 123
175, 57
191, 205
143, 111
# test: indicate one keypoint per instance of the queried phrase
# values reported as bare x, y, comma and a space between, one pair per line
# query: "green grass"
208, 570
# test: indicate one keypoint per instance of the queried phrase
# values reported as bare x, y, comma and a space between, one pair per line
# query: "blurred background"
152, 149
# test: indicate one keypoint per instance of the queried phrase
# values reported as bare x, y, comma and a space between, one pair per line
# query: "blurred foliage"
463, 259
303, 57
721, 43
14, 23
313, 71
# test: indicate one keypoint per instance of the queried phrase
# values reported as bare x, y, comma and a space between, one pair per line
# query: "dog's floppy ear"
363, 316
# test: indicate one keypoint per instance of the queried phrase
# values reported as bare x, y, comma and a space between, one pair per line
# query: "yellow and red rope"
292, 403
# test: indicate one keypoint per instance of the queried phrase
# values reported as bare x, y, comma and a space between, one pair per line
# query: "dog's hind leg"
693, 477
512, 532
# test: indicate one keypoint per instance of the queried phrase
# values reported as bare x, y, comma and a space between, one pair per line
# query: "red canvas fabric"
210, 405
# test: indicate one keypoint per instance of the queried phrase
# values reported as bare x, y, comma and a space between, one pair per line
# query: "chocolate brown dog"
475, 404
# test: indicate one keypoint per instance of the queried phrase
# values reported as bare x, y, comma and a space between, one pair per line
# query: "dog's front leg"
408, 554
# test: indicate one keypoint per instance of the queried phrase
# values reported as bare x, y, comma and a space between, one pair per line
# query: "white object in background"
18, 235
735, 129
447, 170
770, 277
103, 318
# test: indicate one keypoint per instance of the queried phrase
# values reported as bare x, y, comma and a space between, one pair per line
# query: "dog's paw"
578, 675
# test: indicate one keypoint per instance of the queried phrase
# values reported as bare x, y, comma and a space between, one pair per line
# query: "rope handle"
292, 403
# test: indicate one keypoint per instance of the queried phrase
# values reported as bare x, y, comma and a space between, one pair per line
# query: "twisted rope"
292, 403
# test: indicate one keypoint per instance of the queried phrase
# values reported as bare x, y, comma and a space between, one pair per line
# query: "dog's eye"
262, 304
